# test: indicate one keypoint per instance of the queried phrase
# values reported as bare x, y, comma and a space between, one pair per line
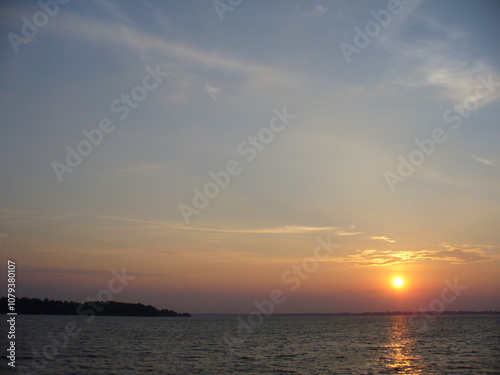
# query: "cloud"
383, 238
288, 229
447, 31
318, 10
484, 161
13, 216
346, 231
342, 233
431, 62
213, 91
100, 32
447, 253
166, 226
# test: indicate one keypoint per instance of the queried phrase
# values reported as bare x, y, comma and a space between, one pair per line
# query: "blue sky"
323, 173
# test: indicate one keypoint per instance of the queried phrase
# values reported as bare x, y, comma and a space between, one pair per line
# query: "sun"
397, 282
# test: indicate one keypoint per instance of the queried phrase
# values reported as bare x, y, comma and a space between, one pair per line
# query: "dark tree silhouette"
50, 307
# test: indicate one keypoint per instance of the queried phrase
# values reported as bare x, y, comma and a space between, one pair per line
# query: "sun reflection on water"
400, 356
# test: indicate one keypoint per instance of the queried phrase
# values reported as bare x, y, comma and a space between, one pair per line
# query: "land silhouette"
35, 306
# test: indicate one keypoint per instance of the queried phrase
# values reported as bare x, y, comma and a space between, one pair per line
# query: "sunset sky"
335, 165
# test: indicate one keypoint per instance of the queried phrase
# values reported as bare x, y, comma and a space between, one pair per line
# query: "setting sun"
397, 282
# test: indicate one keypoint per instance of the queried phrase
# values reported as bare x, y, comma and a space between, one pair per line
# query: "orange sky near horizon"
206, 157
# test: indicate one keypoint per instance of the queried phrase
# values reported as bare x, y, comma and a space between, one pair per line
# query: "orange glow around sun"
397, 282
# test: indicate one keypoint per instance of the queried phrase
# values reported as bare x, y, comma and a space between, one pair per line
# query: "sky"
210, 150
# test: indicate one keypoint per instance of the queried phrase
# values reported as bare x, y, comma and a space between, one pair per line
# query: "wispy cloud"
443, 177
483, 160
318, 10
100, 32
8, 217
382, 238
446, 253
431, 61
213, 91
288, 229
33, 217
347, 232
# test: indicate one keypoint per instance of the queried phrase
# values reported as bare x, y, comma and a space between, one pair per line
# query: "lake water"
280, 345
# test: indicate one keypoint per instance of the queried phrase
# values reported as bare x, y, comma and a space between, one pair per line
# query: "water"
281, 345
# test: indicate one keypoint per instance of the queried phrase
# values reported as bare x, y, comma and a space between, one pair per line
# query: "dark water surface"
281, 345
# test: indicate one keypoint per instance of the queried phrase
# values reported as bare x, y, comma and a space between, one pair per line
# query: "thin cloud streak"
92, 29
383, 238
9, 217
483, 160
288, 229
